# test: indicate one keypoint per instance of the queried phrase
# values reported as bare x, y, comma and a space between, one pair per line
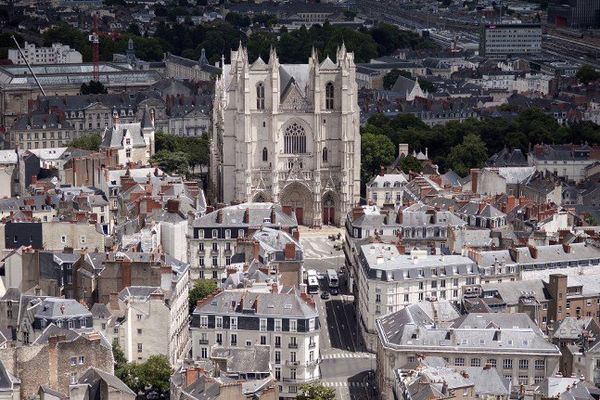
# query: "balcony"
312, 363
292, 363
312, 345
293, 346
203, 341
277, 345
214, 252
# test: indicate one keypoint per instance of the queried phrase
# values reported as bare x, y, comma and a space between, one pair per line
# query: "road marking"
342, 384
347, 355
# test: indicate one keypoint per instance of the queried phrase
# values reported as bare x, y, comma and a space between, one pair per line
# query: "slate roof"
508, 158
7, 380
94, 376
571, 328
138, 292
100, 311
53, 307
234, 216
114, 138
244, 360
269, 305
488, 381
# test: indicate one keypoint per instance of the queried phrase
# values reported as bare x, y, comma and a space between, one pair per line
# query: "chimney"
53, 359
481, 207
173, 206
33, 179
357, 212
566, 247
533, 250
522, 201
113, 301
381, 171
125, 274
255, 304
287, 210
219, 216
474, 178
247, 216
191, 376
273, 215
290, 251
209, 209
256, 250
296, 234
165, 278
400, 217
510, 203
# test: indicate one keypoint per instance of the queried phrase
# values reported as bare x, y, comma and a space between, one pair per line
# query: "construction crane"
29, 66
95, 41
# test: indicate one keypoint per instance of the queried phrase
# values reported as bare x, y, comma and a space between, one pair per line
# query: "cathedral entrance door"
300, 215
328, 207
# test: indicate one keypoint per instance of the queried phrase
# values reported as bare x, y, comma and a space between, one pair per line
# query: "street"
345, 365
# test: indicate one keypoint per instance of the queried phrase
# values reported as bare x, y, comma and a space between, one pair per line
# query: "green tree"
315, 391
376, 151
391, 77
93, 87
172, 162
587, 74
410, 163
426, 85
471, 153
201, 289
150, 376
134, 29
87, 142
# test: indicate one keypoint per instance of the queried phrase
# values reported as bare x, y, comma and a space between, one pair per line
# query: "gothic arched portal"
299, 198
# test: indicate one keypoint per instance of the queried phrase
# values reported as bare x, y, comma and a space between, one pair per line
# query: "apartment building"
386, 189
389, 280
501, 40
288, 323
56, 54
511, 343
146, 321
212, 237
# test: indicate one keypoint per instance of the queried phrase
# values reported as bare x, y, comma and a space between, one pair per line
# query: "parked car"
325, 295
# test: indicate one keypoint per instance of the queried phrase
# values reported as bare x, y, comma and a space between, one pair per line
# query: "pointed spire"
203, 60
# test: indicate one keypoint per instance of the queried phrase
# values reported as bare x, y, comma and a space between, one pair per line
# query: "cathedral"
288, 133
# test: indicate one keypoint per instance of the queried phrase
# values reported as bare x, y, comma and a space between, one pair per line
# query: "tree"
391, 77
88, 142
471, 153
426, 85
93, 87
376, 151
170, 162
587, 74
410, 163
201, 289
315, 391
151, 376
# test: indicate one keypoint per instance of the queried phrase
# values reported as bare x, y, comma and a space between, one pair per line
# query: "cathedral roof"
258, 64
328, 64
297, 72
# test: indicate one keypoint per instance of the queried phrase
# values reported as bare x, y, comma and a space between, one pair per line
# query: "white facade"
386, 189
288, 133
57, 54
510, 39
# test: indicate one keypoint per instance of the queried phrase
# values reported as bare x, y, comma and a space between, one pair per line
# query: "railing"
312, 345
292, 363
293, 345
203, 341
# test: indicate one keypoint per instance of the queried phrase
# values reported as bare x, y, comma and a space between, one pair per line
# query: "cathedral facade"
289, 134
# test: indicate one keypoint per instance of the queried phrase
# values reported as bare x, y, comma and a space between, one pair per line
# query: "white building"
500, 40
57, 54
386, 189
388, 280
133, 142
288, 323
288, 133
511, 343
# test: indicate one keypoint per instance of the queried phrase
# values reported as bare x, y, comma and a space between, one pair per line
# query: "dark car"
325, 295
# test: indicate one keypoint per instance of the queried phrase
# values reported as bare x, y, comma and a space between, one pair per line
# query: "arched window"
329, 96
260, 96
325, 155
265, 154
294, 141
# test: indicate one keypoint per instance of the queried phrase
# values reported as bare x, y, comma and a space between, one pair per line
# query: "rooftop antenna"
29, 66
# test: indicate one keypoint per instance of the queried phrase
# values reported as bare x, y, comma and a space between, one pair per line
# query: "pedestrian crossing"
346, 355
342, 384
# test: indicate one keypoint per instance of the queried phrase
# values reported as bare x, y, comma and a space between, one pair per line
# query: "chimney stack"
474, 178
247, 216
290, 251
173, 206
381, 171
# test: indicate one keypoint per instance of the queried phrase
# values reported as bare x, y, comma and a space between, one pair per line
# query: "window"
201, 261
263, 324
277, 325
139, 331
492, 362
73, 378
293, 389
475, 362
294, 139
73, 361
201, 246
63, 239
128, 153
277, 357
377, 298
523, 364
277, 373
203, 321
293, 342
233, 322
277, 341
523, 380
140, 347
215, 233
325, 155
507, 364
248, 343
311, 325
260, 96
459, 362
215, 246
540, 364
214, 261
203, 352
81, 360
234, 339
263, 339
265, 154
329, 96
139, 317
293, 325
219, 338
293, 374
